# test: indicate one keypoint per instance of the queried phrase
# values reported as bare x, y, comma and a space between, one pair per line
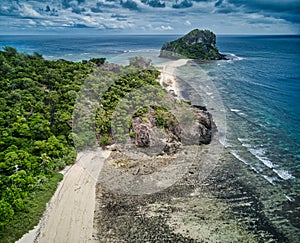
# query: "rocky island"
197, 44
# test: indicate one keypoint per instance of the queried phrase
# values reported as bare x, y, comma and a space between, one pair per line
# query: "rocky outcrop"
142, 133
148, 134
197, 44
170, 137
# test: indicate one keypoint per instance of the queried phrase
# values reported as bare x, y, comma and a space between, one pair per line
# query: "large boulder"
169, 139
200, 130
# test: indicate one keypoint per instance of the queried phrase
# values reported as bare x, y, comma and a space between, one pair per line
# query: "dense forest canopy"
36, 105
37, 100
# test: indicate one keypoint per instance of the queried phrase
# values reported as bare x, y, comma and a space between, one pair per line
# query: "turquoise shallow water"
258, 87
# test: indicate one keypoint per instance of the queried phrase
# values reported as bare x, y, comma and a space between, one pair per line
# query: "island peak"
197, 44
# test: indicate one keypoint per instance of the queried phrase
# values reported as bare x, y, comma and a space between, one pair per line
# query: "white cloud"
47, 23
31, 22
225, 18
167, 27
28, 11
187, 23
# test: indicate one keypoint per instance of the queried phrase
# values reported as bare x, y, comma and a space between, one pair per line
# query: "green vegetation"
99, 116
36, 105
38, 109
164, 118
197, 44
117, 91
35, 207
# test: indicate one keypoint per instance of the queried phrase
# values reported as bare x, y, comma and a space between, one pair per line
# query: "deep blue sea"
259, 87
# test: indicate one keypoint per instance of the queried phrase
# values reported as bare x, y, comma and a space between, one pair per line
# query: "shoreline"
69, 214
221, 206
67, 194
180, 212
168, 76
158, 217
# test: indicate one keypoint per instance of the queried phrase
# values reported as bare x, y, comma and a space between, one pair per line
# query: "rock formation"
148, 132
197, 44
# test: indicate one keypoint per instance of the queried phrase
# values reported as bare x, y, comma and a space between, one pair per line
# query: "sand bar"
168, 75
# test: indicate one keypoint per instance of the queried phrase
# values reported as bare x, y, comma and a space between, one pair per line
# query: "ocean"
254, 97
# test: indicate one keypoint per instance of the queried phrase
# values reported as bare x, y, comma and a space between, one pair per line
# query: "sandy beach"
191, 210
69, 214
168, 75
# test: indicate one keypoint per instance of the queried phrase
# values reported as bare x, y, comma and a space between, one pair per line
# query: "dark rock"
205, 135
201, 130
172, 147
142, 132
196, 132
205, 119
200, 107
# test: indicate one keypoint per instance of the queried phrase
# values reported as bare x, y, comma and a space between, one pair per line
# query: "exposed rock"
148, 134
113, 147
205, 134
170, 138
188, 211
197, 44
205, 126
172, 147
205, 118
200, 107
142, 133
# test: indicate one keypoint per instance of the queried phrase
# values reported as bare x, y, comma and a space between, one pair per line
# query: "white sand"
168, 75
69, 214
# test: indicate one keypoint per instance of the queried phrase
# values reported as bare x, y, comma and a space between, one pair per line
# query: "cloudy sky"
150, 16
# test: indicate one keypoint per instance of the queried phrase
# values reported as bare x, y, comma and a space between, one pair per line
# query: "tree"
10, 51
6, 213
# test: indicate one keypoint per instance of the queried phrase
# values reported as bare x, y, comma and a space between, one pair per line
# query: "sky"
149, 16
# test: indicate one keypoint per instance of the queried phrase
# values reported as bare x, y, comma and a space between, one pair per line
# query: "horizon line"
144, 34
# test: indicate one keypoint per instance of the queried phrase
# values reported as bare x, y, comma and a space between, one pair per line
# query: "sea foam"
233, 57
235, 154
270, 179
243, 139
259, 154
284, 174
